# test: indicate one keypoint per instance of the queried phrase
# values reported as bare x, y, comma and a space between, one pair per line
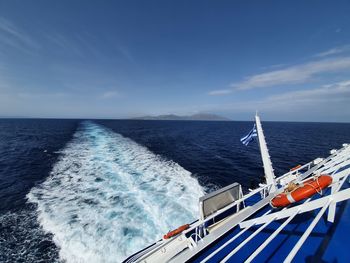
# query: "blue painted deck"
327, 243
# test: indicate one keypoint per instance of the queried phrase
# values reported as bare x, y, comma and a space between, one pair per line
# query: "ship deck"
249, 229
326, 243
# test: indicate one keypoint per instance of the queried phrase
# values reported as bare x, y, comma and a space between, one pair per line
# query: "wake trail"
108, 197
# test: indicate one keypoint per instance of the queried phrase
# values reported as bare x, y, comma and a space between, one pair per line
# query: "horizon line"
136, 119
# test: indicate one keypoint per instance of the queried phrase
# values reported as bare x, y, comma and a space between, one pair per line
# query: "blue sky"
120, 59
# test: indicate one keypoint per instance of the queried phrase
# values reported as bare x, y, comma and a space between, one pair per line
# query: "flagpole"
268, 169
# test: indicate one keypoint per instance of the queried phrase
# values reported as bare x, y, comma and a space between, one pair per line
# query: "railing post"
333, 205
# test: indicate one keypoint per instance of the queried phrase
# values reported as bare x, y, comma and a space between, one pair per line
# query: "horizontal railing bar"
246, 241
278, 179
302, 239
274, 234
224, 245
239, 201
228, 242
271, 237
337, 197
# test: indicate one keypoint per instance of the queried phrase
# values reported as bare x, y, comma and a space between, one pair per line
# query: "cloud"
65, 44
220, 92
318, 99
126, 53
47, 95
11, 35
329, 102
85, 45
301, 73
339, 90
110, 94
295, 74
333, 51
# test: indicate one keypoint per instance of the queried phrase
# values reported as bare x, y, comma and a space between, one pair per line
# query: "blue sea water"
99, 190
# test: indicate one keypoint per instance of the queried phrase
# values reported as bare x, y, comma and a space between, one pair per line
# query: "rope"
316, 189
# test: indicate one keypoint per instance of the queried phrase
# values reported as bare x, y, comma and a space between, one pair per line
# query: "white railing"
310, 170
321, 203
228, 242
199, 239
201, 223
334, 163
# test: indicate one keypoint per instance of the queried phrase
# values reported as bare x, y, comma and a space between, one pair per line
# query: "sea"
100, 190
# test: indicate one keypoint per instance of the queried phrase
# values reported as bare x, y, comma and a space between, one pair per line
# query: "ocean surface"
99, 190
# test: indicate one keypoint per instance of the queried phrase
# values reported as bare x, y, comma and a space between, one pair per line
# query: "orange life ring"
176, 231
305, 190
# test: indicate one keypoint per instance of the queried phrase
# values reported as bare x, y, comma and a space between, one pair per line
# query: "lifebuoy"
305, 190
176, 231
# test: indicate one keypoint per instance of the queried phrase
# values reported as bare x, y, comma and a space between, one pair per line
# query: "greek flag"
249, 137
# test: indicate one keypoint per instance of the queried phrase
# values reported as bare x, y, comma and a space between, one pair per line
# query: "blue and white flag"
249, 137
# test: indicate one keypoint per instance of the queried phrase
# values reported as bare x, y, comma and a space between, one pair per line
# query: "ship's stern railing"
202, 226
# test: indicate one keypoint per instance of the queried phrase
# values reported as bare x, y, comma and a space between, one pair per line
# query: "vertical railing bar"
229, 241
271, 237
224, 245
246, 241
301, 241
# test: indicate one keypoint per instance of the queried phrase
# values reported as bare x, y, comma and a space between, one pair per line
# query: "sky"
290, 60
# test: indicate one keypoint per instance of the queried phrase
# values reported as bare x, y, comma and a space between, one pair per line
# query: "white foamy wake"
108, 197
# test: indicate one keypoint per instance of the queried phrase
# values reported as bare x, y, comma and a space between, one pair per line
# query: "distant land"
194, 117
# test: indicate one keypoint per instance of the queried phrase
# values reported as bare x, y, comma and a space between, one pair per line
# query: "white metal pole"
269, 175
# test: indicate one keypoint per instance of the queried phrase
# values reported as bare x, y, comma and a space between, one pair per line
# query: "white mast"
269, 175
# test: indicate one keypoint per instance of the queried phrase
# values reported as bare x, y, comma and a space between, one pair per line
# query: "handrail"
225, 244
332, 163
234, 251
339, 154
305, 207
301, 241
270, 238
228, 242
222, 210
257, 190
195, 234
278, 179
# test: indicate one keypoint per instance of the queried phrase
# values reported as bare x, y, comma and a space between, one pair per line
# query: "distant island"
194, 117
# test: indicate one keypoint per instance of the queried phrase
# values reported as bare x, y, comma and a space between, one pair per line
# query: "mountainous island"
194, 117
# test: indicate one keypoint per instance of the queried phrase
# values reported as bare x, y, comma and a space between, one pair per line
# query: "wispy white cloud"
65, 44
274, 67
220, 92
43, 95
339, 90
110, 94
13, 36
79, 45
327, 99
334, 51
295, 74
84, 45
126, 53
301, 73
